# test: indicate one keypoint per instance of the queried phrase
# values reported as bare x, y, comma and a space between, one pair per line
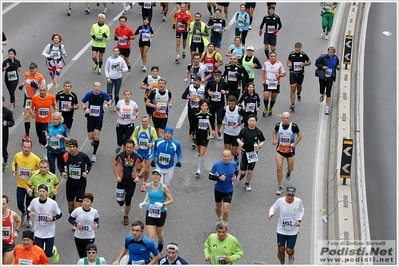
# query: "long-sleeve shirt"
217, 249
165, 152
112, 65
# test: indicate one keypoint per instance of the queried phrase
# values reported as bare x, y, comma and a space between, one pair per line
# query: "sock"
44, 151
96, 62
266, 103
242, 176
200, 162
100, 64
210, 9
267, 53
214, 9
160, 242
116, 99
96, 144
164, 13
27, 127
5, 159
250, 20
272, 103
129, 67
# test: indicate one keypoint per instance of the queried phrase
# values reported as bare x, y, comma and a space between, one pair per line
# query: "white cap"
250, 48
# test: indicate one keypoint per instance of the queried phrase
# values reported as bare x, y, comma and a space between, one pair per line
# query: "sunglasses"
91, 252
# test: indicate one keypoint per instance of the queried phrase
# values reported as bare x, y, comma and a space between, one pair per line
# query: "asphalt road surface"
191, 218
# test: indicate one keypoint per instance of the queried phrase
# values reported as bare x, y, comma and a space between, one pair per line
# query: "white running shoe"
93, 158
280, 190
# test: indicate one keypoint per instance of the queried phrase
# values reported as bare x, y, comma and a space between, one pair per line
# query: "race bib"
154, 212
241, 21
143, 143
297, 66
122, 41
217, 27
56, 54
99, 38
248, 70
75, 173
28, 102
164, 159
127, 116
252, 156
271, 84
43, 112
209, 66
287, 223
220, 259
270, 29
24, 262
12, 75
140, 262
54, 142
25, 173
6, 231
180, 26
86, 229
203, 124
194, 103
231, 76
197, 38
217, 96
42, 218
328, 73
163, 106
230, 123
120, 193
145, 37
95, 111
64, 105
147, 5
250, 107
285, 144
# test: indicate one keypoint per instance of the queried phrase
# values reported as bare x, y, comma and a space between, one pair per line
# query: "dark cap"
217, 73
298, 44
73, 142
28, 234
42, 186
272, 7
33, 66
290, 190
197, 78
91, 247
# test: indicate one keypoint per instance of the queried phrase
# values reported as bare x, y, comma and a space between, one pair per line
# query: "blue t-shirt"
52, 131
96, 103
331, 63
139, 251
220, 168
237, 51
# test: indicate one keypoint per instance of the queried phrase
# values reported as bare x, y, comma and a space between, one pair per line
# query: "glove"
174, 26
260, 32
153, 163
158, 205
178, 164
142, 204
115, 38
104, 35
237, 74
94, 37
34, 84
20, 87
275, 32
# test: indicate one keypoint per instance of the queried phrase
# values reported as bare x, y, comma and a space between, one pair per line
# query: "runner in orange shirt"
123, 34
181, 20
43, 116
32, 80
29, 253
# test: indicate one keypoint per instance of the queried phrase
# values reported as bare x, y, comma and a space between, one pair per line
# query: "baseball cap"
298, 44
217, 73
168, 129
157, 171
290, 190
73, 142
42, 186
28, 234
91, 247
33, 66
250, 48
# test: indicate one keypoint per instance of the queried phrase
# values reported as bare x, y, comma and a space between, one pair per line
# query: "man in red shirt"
181, 21
42, 103
123, 35
11, 224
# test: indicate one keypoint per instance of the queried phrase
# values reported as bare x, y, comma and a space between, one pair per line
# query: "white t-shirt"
43, 228
289, 214
127, 111
87, 218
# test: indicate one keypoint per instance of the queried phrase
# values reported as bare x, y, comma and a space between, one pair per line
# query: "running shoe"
93, 158
321, 98
117, 149
264, 112
326, 37
270, 112
87, 10
5, 167
327, 110
98, 4
26, 137
56, 256
124, 12
183, 54
105, 11
291, 259
248, 188
141, 13
69, 13
100, 71
280, 190
144, 69
322, 34
129, 68
12, 107
94, 67
298, 96
125, 220
143, 188
213, 134
28, 223
194, 145
164, 18
288, 176
131, 4
177, 59
198, 173
219, 135
249, 27
292, 107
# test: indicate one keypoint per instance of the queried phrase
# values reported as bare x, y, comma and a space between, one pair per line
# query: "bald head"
286, 117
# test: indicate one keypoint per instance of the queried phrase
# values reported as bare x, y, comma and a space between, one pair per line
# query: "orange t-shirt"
34, 255
43, 108
38, 78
